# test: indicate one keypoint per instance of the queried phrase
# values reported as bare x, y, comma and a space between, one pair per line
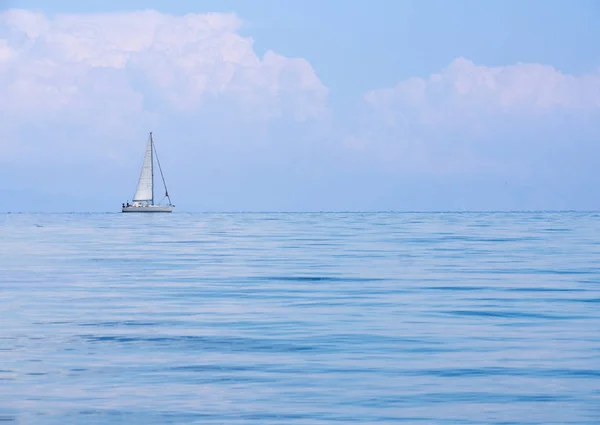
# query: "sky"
305, 105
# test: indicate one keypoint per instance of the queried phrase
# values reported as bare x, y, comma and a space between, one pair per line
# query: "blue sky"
302, 105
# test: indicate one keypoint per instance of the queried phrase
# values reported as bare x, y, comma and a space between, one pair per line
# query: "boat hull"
148, 209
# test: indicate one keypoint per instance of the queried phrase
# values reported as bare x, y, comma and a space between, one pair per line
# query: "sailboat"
143, 200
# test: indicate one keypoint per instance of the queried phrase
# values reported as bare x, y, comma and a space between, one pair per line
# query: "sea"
300, 318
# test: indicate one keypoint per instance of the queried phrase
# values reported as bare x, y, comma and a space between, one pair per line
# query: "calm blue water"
473, 318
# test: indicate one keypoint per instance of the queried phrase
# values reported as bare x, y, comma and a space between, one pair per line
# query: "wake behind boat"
143, 200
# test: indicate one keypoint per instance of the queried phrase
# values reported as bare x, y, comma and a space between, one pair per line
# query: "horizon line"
327, 211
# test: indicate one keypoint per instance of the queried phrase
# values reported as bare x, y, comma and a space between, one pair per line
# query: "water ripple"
437, 318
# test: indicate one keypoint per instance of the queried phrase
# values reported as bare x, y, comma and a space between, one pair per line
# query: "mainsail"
145, 190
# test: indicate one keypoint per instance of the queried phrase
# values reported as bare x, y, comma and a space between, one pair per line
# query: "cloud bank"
521, 88
472, 118
79, 92
124, 69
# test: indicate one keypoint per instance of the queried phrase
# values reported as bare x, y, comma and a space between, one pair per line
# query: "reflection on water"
473, 318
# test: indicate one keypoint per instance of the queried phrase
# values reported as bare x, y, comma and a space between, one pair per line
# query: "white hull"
148, 209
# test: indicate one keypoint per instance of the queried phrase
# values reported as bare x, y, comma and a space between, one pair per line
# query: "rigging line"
161, 173
152, 166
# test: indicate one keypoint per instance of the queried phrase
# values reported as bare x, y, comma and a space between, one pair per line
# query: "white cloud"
471, 117
102, 69
6, 52
90, 85
464, 86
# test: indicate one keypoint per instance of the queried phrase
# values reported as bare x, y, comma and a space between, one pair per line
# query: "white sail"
144, 190
143, 201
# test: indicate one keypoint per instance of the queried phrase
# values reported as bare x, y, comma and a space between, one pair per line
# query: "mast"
152, 166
